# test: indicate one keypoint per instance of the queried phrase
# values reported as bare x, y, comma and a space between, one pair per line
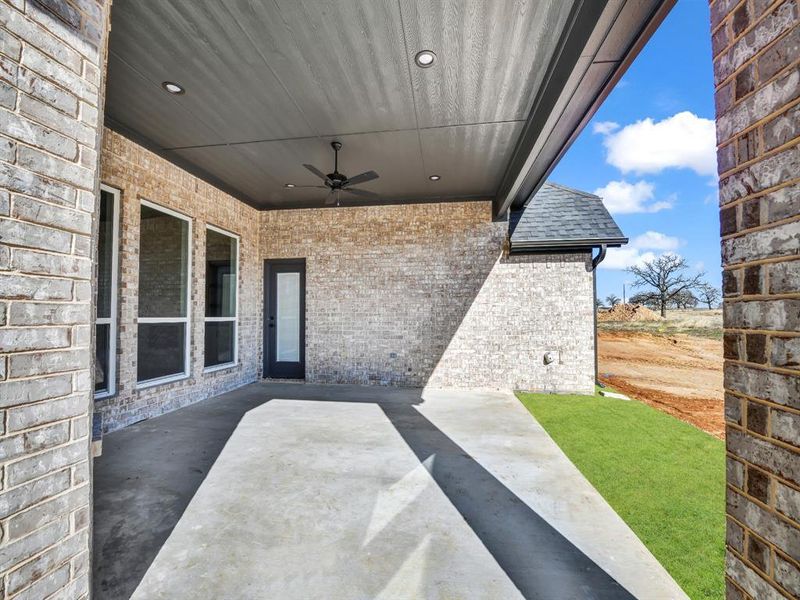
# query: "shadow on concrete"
151, 470
541, 562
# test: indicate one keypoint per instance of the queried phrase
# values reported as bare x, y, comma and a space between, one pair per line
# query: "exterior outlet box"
551, 356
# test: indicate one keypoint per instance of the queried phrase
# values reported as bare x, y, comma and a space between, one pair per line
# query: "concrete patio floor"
356, 492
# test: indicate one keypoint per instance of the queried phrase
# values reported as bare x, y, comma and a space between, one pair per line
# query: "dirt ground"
678, 373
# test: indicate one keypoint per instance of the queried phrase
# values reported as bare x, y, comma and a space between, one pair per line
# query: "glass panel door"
284, 318
288, 317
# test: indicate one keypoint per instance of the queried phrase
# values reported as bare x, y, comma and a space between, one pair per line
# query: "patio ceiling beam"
602, 39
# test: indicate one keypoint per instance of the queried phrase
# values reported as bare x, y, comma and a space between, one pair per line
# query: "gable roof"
561, 217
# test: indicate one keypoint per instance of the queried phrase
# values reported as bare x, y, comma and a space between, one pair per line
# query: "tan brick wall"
421, 294
140, 174
51, 56
756, 46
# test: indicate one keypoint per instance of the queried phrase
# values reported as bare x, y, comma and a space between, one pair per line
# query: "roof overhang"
564, 246
269, 85
601, 41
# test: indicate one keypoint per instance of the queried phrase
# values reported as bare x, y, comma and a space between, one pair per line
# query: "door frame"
269, 264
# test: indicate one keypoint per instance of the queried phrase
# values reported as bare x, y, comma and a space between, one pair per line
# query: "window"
164, 279
105, 371
222, 275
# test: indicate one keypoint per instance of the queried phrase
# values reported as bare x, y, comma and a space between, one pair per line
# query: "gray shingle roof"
558, 217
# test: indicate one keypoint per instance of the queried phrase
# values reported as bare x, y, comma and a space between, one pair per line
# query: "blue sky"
649, 152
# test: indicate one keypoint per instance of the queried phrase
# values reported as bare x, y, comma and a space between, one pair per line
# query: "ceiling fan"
338, 182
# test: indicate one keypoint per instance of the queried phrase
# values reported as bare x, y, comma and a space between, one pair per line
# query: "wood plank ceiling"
269, 83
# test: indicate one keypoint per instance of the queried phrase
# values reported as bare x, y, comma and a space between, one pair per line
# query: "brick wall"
140, 174
421, 294
51, 56
756, 46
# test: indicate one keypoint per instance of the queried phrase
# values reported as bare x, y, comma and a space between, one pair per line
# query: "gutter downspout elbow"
600, 257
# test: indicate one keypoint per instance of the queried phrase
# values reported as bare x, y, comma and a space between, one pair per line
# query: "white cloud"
682, 141
605, 127
653, 240
621, 197
640, 250
619, 259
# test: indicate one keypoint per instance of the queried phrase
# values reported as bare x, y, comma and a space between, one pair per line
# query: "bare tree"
612, 300
648, 299
667, 277
709, 294
685, 299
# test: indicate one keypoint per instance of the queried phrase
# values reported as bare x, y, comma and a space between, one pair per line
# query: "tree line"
666, 283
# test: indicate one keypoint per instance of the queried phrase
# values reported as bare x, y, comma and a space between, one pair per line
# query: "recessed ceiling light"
173, 88
434, 177
290, 185
425, 58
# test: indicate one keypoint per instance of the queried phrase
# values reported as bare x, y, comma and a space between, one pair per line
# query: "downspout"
600, 257
596, 260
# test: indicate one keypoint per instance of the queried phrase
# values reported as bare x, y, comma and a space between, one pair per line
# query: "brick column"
756, 46
51, 65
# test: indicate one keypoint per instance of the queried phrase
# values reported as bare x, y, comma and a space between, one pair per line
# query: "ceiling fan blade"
331, 199
316, 187
358, 192
316, 172
363, 178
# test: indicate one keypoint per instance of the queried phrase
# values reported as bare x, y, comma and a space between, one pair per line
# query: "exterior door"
285, 318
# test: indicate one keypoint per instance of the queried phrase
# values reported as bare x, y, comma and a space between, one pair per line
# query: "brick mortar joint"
37, 427
773, 260
753, 60
783, 72
759, 228
766, 403
765, 15
25, 41
760, 193
725, 19
67, 42
46, 549
49, 177
776, 442
762, 366
770, 579
766, 507
73, 162
762, 155
70, 489
761, 298
95, 89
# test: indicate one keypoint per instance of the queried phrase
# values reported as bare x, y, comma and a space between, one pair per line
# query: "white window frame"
111, 320
187, 320
235, 318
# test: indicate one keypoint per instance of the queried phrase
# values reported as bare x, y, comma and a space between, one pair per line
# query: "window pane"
219, 342
105, 248
287, 338
163, 264
220, 275
161, 350
103, 335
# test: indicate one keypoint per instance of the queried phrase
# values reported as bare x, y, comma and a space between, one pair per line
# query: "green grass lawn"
665, 478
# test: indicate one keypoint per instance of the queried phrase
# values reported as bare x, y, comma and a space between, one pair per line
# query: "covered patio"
283, 490
151, 171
